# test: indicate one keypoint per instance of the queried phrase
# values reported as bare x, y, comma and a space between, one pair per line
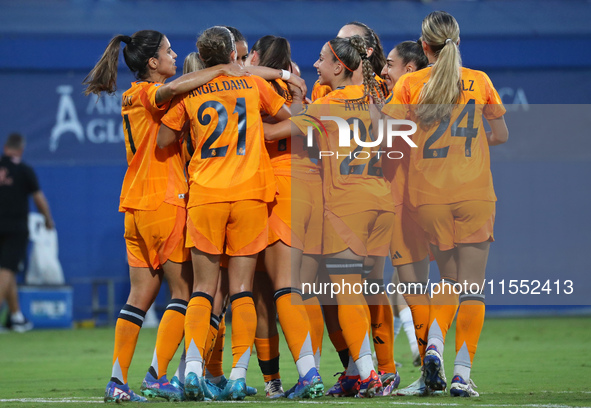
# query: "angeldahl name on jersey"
225, 85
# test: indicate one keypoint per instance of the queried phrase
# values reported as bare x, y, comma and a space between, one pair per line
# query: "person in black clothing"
17, 182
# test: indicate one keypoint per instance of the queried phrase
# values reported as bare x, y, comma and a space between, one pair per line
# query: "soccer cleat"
308, 386
194, 387
21, 327
235, 390
370, 387
459, 388
175, 382
434, 372
250, 391
274, 388
151, 387
211, 392
121, 392
390, 381
346, 386
418, 387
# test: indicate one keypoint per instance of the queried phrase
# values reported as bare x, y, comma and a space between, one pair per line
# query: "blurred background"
536, 53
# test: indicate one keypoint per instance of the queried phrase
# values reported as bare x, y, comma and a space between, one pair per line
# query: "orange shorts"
280, 209
154, 237
466, 222
307, 215
367, 233
409, 241
241, 227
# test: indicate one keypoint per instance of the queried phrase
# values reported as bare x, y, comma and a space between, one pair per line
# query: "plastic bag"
44, 266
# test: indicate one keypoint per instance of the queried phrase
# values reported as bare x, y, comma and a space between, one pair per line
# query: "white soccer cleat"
459, 388
274, 388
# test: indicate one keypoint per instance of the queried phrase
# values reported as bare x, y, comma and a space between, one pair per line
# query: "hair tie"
126, 39
363, 56
337, 57
448, 40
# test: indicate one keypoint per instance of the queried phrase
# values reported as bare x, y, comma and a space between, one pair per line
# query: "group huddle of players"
224, 172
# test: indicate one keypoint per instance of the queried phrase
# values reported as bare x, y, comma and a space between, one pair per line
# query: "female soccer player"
380, 309
409, 248
231, 182
357, 200
153, 200
450, 185
283, 256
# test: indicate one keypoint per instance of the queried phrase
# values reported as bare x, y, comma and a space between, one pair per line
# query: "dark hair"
351, 52
412, 51
274, 52
377, 58
237, 34
215, 46
15, 141
140, 47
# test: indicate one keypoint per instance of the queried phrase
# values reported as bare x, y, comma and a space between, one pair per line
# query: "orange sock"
215, 363
197, 322
127, 331
244, 325
444, 306
212, 335
296, 327
316, 319
468, 327
268, 356
382, 328
170, 334
419, 305
356, 326
354, 316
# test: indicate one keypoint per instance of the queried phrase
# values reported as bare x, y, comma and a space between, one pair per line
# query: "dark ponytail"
139, 48
274, 52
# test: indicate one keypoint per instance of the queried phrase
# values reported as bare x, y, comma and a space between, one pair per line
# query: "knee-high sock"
316, 319
268, 356
468, 328
420, 306
212, 335
244, 325
444, 306
296, 327
197, 321
382, 328
215, 362
354, 317
170, 334
127, 330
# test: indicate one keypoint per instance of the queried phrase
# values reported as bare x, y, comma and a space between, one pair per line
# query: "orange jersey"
280, 150
452, 161
153, 175
352, 175
230, 162
285, 161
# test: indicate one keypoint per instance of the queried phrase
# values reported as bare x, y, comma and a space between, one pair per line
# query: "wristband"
285, 75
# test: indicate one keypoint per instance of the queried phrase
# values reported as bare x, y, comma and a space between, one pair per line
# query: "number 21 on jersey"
205, 118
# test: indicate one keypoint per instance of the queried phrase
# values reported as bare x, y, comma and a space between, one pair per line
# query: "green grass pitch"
520, 362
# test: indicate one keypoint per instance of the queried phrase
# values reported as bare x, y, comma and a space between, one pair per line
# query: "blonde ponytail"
443, 89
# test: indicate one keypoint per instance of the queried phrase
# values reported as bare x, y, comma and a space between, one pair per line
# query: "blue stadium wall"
534, 51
